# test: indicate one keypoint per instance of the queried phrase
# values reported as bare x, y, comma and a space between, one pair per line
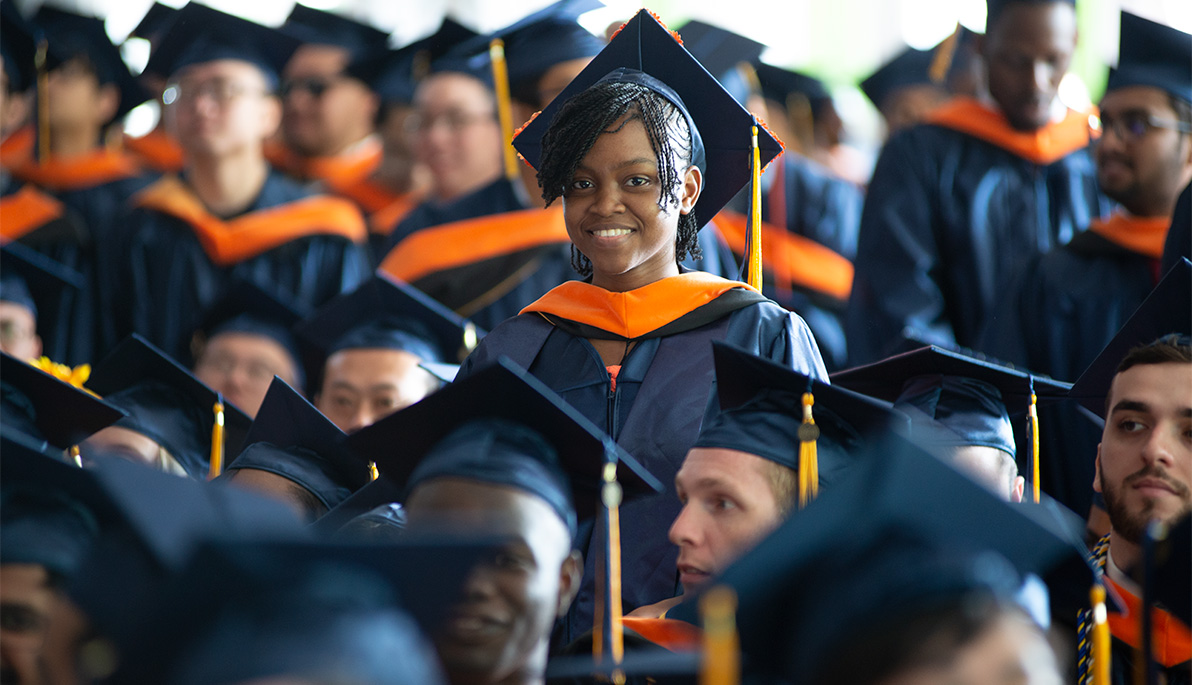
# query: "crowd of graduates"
545, 356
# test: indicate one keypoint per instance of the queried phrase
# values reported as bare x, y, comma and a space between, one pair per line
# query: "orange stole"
85, 171
1044, 146
18, 147
1172, 639
245, 237
677, 636
1144, 235
157, 150
459, 243
791, 258
337, 171
25, 210
384, 220
634, 313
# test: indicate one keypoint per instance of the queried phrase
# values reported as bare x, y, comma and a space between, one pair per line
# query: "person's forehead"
1148, 98
317, 59
452, 89
705, 465
454, 502
1162, 387
377, 361
1024, 24
230, 69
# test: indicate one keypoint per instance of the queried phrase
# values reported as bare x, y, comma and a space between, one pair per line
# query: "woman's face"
612, 209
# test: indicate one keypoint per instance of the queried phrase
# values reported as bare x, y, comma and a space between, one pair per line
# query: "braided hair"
584, 117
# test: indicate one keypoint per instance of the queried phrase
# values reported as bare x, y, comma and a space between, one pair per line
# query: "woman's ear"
693, 183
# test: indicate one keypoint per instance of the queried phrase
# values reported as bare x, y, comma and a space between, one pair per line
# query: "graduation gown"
1179, 236
181, 258
655, 408
156, 150
955, 206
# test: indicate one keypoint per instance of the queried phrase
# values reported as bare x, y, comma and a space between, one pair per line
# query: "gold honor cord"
217, 442
1101, 637
754, 277
808, 458
722, 650
496, 53
1033, 425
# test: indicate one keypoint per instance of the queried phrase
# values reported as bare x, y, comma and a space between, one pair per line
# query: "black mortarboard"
718, 49
779, 85
501, 425
248, 308
953, 399
810, 583
201, 34
166, 403
78, 36
18, 47
310, 25
155, 23
995, 8
45, 408
394, 74
761, 411
644, 52
292, 439
1173, 568
1154, 55
24, 272
1168, 309
380, 492
383, 313
910, 67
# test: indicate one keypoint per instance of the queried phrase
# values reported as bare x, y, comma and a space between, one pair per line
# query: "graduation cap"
387, 314
18, 46
644, 52
762, 412
201, 34
841, 564
24, 272
312, 26
910, 67
1153, 55
394, 74
168, 405
248, 308
1167, 310
45, 408
77, 36
377, 493
155, 23
292, 439
721, 51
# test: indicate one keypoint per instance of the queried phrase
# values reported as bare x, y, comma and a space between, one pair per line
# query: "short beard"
1131, 526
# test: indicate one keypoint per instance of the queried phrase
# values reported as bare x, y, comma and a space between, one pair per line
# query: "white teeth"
611, 232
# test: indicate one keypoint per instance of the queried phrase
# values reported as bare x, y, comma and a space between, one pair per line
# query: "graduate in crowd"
904, 90
662, 151
158, 149
228, 215
17, 53
35, 293
327, 113
958, 203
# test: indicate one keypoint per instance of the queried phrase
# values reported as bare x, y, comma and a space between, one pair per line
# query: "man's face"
14, 107
242, 365
456, 134
728, 506
1144, 462
499, 628
1145, 168
221, 108
1026, 53
324, 111
18, 331
77, 99
25, 603
362, 386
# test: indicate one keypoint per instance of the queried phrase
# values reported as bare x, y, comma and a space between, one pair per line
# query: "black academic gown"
955, 206
180, 258
654, 411
1179, 236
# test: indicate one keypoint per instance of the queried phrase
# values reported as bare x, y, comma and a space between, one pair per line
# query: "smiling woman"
640, 157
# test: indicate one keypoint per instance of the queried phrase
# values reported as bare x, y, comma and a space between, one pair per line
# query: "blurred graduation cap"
761, 412
155, 23
313, 26
1167, 310
168, 405
378, 493
24, 272
81, 37
780, 84
394, 74
387, 314
902, 529
501, 425
200, 34
292, 439
1154, 55
646, 53
47, 409
910, 67
248, 308
18, 46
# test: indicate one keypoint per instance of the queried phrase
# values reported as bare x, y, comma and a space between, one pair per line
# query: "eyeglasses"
454, 120
315, 86
218, 91
225, 365
1132, 126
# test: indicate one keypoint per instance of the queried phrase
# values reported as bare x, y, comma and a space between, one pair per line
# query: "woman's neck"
637, 277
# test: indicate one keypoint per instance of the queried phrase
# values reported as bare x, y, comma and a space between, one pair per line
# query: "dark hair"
584, 117
1171, 348
996, 8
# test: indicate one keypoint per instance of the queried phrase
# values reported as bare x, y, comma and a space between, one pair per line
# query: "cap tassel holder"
754, 275
75, 456
43, 101
721, 644
496, 51
1033, 427
808, 458
217, 442
609, 636
1101, 640
373, 472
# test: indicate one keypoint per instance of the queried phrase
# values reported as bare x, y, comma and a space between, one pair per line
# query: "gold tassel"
496, 51
722, 653
754, 277
75, 456
1101, 638
373, 472
43, 102
217, 442
808, 459
941, 61
610, 495
1033, 421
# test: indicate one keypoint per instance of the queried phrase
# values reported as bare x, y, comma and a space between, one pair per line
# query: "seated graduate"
1140, 385
630, 349
293, 454
366, 352
228, 215
35, 294
171, 416
907, 88
498, 454
744, 475
959, 407
244, 343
